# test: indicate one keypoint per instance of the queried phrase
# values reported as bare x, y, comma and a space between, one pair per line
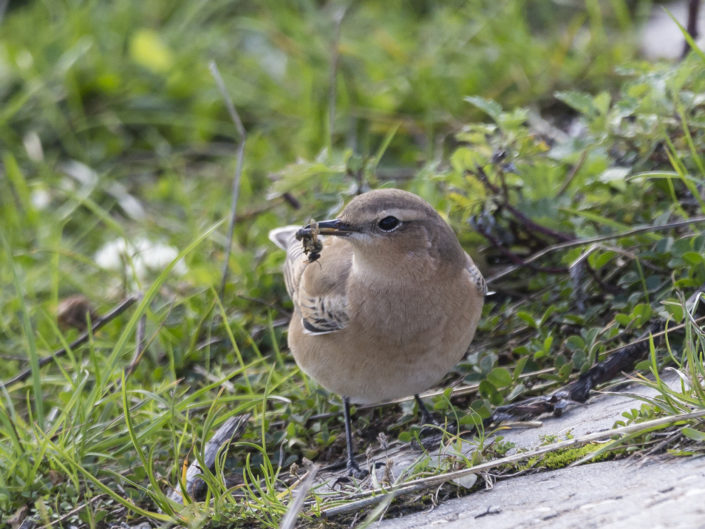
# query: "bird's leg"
353, 469
431, 431
426, 417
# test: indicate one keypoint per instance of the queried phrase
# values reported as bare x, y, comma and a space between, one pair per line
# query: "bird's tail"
284, 236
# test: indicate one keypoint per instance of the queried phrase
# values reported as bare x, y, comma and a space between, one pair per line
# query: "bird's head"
391, 226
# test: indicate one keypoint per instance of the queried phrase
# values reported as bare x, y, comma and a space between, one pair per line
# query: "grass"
118, 160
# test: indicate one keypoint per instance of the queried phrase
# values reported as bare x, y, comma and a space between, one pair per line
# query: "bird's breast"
409, 313
401, 338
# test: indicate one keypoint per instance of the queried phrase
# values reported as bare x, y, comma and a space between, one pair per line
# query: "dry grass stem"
238, 169
592, 240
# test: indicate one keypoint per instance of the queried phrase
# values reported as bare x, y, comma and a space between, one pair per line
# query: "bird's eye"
389, 223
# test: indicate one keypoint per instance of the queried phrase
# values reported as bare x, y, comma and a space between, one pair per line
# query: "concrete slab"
613, 494
665, 492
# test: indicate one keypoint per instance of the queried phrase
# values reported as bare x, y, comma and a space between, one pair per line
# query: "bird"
386, 301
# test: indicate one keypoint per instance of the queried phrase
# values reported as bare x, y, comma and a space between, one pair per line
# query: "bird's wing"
476, 276
318, 288
321, 291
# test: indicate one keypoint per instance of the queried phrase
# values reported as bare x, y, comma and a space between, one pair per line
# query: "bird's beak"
326, 227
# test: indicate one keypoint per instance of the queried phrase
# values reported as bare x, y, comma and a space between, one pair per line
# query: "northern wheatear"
388, 304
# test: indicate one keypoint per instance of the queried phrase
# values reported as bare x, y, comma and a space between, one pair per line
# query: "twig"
368, 499
615, 361
592, 240
228, 431
297, 503
526, 221
692, 24
516, 259
238, 168
97, 324
503, 181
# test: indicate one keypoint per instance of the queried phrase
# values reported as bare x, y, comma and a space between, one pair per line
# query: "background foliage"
117, 161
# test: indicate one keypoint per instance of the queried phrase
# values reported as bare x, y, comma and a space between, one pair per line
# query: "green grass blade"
28, 332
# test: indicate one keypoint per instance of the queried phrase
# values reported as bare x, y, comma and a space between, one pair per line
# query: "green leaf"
515, 392
547, 343
514, 119
522, 350
19, 185
575, 343
565, 370
500, 377
693, 258
578, 359
641, 313
691, 433
675, 309
487, 389
547, 314
579, 101
405, 437
616, 177
481, 408
471, 419
488, 106
623, 319
519, 367
642, 366
528, 318
602, 102
598, 260
149, 50
466, 158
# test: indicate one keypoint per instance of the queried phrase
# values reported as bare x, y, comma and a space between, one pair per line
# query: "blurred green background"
118, 153
111, 126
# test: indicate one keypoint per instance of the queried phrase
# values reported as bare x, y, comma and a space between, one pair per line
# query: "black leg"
426, 417
352, 467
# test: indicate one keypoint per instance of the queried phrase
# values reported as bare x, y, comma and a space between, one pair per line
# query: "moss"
563, 458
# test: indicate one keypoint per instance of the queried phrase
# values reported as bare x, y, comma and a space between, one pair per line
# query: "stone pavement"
608, 495
662, 491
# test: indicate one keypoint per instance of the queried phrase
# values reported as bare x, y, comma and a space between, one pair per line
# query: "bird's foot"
353, 470
426, 417
429, 423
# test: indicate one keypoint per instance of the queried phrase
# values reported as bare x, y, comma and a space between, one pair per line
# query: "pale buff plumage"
389, 306
381, 314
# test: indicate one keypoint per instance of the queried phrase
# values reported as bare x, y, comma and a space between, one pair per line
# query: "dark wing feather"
318, 288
